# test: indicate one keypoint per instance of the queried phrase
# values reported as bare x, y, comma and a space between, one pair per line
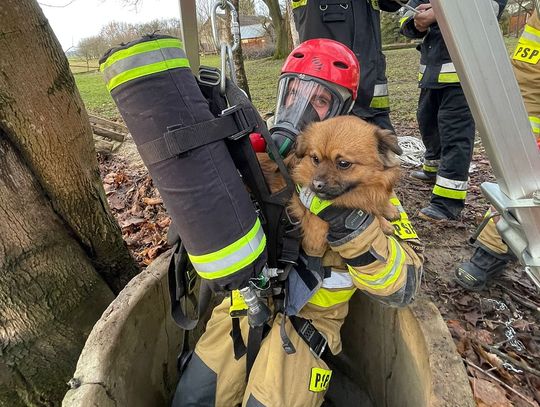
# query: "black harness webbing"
182, 279
310, 335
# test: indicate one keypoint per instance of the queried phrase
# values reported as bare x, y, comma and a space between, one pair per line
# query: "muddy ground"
496, 331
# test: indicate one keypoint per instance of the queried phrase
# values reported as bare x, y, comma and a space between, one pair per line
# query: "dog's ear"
300, 146
388, 146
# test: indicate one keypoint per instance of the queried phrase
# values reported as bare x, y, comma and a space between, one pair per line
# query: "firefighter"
289, 369
445, 121
357, 25
491, 254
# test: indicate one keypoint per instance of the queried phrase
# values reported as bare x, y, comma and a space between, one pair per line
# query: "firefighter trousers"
214, 377
490, 239
447, 128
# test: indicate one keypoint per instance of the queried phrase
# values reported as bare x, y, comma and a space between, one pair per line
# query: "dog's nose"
318, 185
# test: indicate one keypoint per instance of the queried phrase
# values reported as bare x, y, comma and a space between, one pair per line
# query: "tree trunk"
61, 252
44, 118
280, 26
293, 34
238, 57
50, 294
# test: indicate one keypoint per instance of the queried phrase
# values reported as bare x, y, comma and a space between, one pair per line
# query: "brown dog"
351, 162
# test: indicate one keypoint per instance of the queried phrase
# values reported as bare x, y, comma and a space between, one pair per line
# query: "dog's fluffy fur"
366, 184
351, 162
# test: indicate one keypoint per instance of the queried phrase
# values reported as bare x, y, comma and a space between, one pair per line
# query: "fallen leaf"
472, 317
132, 221
488, 394
116, 201
483, 336
456, 329
152, 201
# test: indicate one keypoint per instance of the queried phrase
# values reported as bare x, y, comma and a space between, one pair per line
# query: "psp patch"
320, 378
527, 53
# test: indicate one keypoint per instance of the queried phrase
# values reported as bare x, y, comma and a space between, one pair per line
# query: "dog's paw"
391, 212
386, 226
315, 231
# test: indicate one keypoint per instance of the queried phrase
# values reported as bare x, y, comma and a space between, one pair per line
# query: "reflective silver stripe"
529, 35
391, 272
306, 196
450, 183
338, 279
432, 163
233, 258
380, 90
142, 59
422, 68
448, 68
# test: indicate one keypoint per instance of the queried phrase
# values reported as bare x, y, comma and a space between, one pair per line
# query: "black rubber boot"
434, 214
428, 177
483, 267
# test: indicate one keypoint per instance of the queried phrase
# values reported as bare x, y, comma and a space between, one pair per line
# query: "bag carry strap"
233, 123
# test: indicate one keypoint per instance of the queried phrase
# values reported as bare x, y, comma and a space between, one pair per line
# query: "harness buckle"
191, 279
315, 340
244, 118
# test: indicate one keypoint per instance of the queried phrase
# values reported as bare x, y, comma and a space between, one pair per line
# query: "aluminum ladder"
472, 35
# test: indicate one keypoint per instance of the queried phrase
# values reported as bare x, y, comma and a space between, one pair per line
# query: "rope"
413, 151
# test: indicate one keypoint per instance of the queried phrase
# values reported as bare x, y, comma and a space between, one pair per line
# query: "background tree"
390, 29
62, 257
246, 7
283, 47
238, 57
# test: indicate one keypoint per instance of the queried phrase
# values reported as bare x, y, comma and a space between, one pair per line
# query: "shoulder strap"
182, 281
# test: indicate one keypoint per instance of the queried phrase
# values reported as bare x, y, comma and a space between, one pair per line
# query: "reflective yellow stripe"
242, 244
420, 76
402, 20
146, 70
448, 78
530, 34
311, 201
395, 202
383, 273
141, 48
389, 274
380, 102
298, 3
429, 168
326, 298
449, 193
535, 124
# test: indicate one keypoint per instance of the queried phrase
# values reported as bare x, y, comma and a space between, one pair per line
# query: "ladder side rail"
475, 43
190, 35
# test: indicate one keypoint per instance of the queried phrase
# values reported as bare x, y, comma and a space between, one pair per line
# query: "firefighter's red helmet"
325, 59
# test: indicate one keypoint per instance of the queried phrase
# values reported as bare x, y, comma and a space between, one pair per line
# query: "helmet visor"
302, 100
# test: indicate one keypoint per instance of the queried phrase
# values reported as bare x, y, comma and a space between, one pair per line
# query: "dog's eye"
315, 160
343, 165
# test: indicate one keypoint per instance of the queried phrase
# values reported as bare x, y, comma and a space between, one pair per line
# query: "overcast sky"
84, 18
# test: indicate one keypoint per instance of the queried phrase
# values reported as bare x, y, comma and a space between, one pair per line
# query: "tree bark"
282, 39
238, 57
44, 118
62, 256
50, 294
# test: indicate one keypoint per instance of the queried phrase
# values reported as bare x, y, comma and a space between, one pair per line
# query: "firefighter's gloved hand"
344, 223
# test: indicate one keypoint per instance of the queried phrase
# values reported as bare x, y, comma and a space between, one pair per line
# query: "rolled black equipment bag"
182, 144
